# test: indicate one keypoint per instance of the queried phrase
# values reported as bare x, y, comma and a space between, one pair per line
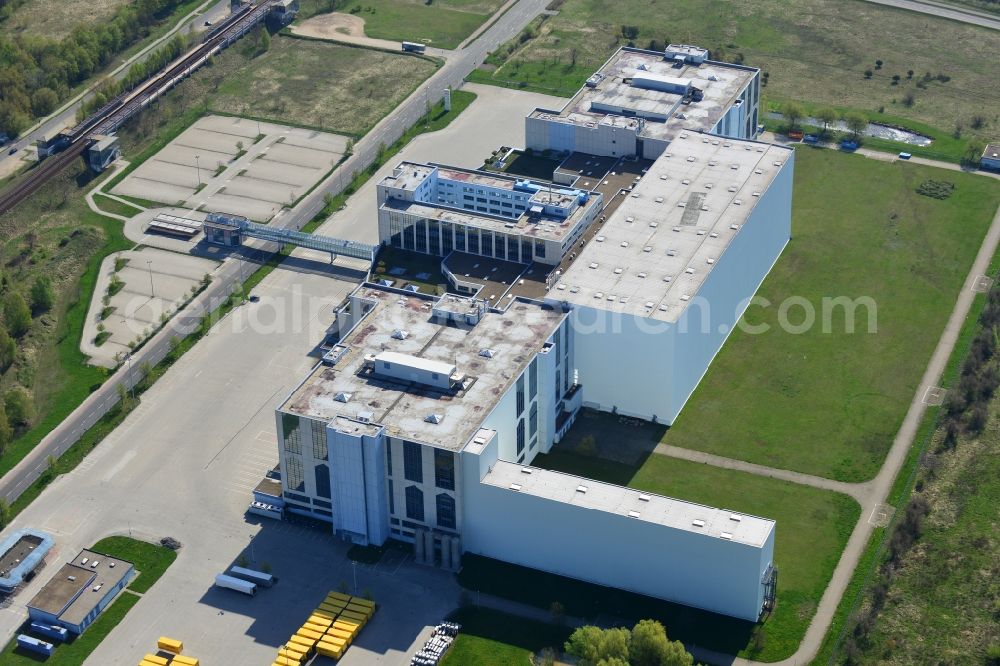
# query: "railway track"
115, 113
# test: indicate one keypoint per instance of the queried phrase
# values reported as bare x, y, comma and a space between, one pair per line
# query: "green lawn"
443, 24
830, 403
797, 42
321, 85
492, 638
812, 528
109, 205
150, 560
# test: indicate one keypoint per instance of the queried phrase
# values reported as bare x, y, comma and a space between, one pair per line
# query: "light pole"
128, 357
197, 165
149, 266
355, 567
252, 558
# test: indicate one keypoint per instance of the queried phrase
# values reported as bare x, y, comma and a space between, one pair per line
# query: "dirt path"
339, 27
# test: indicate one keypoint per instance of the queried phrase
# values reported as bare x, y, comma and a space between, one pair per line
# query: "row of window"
413, 465
294, 476
440, 238
414, 496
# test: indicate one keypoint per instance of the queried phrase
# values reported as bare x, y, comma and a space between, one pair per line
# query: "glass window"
294, 479
446, 511
421, 236
520, 395
388, 458
533, 419
512, 248
414, 503
322, 480
444, 469
487, 243
520, 435
533, 379
291, 431
539, 249
318, 440
473, 236
413, 464
392, 498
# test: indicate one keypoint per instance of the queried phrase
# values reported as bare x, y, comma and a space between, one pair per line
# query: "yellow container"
361, 601
331, 651
182, 660
330, 615
295, 653
341, 633
321, 620
307, 644
351, 615
339, 595
312, 626
360, 610
310, 634
154, 659
347, 625
330, 608
170, 644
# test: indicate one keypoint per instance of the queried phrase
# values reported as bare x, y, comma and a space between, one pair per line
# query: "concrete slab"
284, 161
156, 283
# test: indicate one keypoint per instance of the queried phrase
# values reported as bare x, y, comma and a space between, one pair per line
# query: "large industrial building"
421, 422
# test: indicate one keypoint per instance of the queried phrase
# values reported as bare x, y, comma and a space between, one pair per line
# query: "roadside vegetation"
492, 638
150, 560
796, 43
830, 403
439, 23
936, 572
37, 72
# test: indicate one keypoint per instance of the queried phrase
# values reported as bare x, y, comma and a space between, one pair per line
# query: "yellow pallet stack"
329, 630
183, 660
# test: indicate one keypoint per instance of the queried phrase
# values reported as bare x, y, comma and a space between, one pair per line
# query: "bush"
42, 296
16, 314
19, 408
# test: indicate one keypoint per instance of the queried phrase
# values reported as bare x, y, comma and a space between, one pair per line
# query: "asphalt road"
66, 114
944, 10
232, 272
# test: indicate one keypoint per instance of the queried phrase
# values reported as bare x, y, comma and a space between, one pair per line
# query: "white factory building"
638, 102
421, 422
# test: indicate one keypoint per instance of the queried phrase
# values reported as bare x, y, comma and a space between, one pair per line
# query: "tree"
4, 513
592, 646
42, 296
878, 64
856, 122
8, 349
16, 314
43, 101
630, 32
793, 113
264, 43
6, 432
868, 73
17, 404
828, 116
649, 646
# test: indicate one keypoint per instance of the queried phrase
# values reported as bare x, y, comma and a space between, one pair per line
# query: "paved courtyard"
237, 166
154, 283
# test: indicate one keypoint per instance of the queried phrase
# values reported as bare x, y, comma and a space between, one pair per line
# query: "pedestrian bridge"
223, 229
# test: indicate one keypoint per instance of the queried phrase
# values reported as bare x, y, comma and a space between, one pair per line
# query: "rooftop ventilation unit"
342, 396
581, 489
400, 334
726, 535
366, 416
487, 353
515, 486
643, 498
698, 522
633, 514
735, 517
434, 418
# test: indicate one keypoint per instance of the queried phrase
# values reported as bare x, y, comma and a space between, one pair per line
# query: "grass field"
812, 528
317, 84
491, 638
443, 23
830, 403
109, 205
150, 560
813, 50
57, 18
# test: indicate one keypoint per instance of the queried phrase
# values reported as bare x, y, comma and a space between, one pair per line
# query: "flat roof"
589, 494
720, 83
402, 408
655, 250
992, 150
60, 590
108, 573
542, 227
